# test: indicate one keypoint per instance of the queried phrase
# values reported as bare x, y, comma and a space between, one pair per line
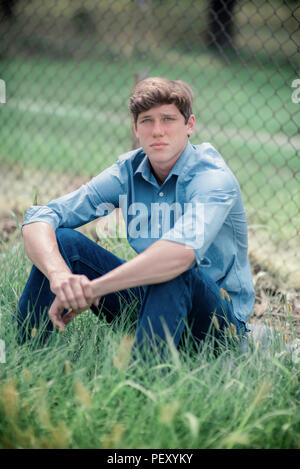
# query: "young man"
184, 217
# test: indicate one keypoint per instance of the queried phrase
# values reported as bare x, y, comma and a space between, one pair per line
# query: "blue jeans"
191, 298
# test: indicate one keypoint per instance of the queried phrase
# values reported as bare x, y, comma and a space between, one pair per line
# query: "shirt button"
161, 194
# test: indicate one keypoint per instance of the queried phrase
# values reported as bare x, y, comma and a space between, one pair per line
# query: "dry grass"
276, 304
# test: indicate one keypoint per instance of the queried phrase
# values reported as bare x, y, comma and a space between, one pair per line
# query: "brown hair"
155, 91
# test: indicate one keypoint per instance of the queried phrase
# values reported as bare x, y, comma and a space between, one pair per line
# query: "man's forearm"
42, 249
161, 262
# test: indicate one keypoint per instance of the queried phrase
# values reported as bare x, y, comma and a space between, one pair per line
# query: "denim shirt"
198, 205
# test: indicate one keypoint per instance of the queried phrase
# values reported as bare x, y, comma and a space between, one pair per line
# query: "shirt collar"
182, 160
144, 169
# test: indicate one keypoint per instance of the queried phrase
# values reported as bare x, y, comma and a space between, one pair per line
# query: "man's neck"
162, 172
160, 175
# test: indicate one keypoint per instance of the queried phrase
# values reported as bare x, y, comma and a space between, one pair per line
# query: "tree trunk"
7, 9
221, 23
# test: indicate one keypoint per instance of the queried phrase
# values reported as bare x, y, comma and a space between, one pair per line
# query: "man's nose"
158, 129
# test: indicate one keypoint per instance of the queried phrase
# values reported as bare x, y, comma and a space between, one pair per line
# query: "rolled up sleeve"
92, 200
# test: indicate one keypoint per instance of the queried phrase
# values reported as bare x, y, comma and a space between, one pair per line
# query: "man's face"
163, 134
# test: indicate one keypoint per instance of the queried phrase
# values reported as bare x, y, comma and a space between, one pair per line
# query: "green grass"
76, 391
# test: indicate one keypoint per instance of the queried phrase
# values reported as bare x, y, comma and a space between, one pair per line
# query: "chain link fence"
67, 68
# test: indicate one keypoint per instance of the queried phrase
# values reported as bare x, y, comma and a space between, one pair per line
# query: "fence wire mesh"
67, 68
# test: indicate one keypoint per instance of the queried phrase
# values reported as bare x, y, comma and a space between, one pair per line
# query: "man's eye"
145, 121
169, 119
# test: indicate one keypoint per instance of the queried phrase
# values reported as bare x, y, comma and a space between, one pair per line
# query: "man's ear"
191, 124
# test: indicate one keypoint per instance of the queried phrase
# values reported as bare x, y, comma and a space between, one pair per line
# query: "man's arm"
161, 262
72, 291
68, 211
42, 248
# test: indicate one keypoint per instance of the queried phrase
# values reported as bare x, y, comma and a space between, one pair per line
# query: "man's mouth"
158, 145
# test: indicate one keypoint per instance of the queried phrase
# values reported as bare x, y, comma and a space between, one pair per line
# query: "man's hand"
73, 292
59, 321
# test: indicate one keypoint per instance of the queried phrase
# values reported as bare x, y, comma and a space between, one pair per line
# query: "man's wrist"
96, 287
54, 273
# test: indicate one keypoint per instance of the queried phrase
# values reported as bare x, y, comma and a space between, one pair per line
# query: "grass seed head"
122, 355
215, 322
235, 438
265, 386
43, 416
68, 367
57, 438
9, 398
41, 389
82, 394
289, 307
24, 438
114, 438
169, 411
233, 329
224, 294
27, 375
193, 423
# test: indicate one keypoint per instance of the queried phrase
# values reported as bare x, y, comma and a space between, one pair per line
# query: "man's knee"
67, 240
65, 235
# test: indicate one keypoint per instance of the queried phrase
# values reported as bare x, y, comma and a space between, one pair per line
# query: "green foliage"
80, 390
